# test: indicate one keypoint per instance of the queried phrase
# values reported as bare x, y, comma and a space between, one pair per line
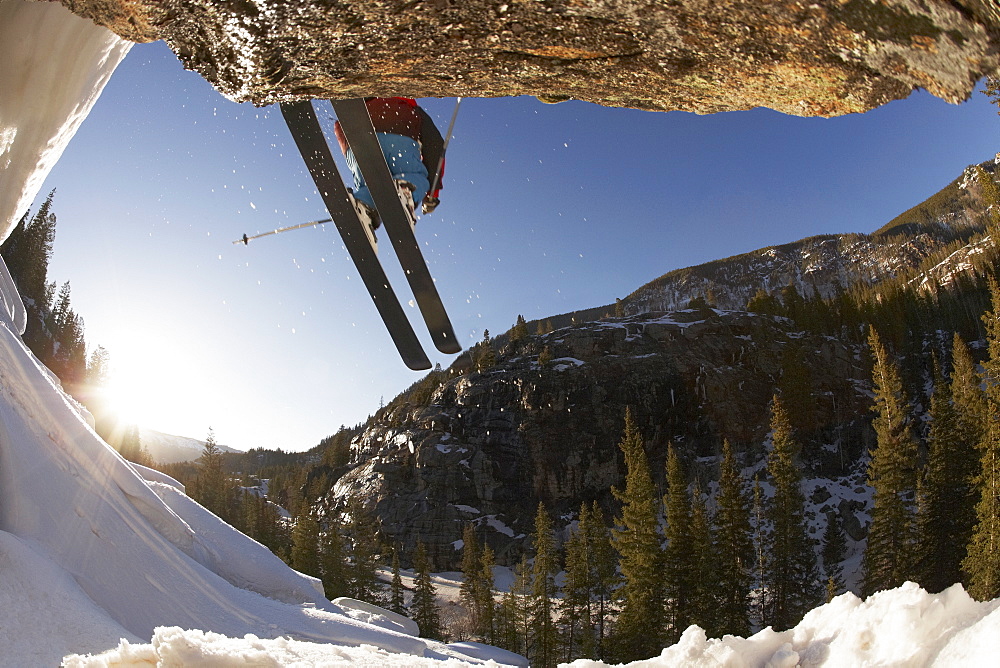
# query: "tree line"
54, 331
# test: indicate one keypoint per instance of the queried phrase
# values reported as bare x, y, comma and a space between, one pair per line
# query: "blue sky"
546, 209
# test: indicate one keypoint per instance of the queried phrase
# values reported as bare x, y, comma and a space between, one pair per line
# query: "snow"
177, 647
564, 363
53, 67
498, 526
466, 509
138, 553
12, 311
900, 628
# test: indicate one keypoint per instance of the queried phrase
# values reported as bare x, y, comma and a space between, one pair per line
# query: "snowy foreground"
903, 627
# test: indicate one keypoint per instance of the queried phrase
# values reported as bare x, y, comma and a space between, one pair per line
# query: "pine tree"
212, 479
69, 355
514, 620
888, 558
971, 412
706, 595
423, 607
677, 556
333, 562
98, 367
761, 563
793, 580
637, 541
27, 252
942, 493
396, 598
832, 590
545, 357
471, 590
470, 569
969, 401
604, 570
834, 552
132, 449
734, 545
982, 565
764, 302
486, 603
991, 198
543, 592
305, 545
485, 357
575, 612
363, 532
519, 332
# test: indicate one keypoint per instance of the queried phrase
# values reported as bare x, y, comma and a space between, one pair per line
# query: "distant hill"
170, 449
821, 265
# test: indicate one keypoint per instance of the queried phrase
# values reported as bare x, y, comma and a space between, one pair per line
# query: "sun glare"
156, 386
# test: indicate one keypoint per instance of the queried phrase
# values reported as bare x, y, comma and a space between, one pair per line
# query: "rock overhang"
824, 58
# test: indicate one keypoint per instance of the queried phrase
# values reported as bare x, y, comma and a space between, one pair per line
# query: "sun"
156, 384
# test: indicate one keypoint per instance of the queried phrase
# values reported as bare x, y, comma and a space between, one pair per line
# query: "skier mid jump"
381, 161
413, 149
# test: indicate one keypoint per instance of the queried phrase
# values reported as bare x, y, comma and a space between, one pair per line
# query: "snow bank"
53, 67
176, 647
45, 614
903, 627
12, 312
132, 555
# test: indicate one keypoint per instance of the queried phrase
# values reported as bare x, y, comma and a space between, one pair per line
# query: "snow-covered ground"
904, 628
94, 552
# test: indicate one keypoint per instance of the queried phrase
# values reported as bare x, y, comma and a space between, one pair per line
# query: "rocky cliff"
488, 447
827, 57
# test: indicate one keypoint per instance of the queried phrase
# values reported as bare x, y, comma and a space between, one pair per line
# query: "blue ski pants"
403, 157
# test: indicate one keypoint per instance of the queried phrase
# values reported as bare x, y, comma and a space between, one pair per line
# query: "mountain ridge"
821, 264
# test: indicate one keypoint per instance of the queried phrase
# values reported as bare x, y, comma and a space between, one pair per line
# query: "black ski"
360, 133
312, 144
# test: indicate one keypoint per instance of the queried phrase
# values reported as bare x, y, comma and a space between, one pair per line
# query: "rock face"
488, 447
825, 58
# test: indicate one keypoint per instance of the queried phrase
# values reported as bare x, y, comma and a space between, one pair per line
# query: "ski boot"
369, 218
405, 190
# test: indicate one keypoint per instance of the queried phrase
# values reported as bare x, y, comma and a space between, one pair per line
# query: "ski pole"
440, 165
245, 240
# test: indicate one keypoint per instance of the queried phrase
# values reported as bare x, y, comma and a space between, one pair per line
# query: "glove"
429, 204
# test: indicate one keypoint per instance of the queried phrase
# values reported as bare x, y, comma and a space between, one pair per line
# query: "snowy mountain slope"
128, 555
822, 265
170, 449
818, 265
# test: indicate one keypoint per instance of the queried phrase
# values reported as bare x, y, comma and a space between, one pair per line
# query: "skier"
413, 149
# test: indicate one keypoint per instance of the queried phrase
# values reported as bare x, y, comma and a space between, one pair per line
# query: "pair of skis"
357, 125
